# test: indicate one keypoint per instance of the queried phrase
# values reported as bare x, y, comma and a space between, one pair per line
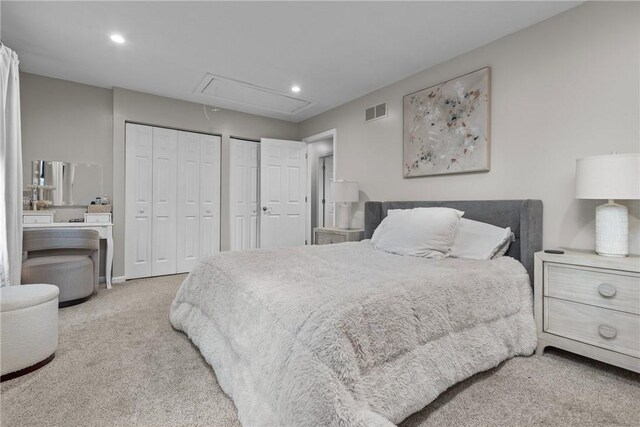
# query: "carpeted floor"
120, 363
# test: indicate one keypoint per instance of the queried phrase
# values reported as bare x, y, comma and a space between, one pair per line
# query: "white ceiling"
335, 51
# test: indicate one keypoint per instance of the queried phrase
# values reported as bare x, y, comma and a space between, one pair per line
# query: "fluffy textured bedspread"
348, 335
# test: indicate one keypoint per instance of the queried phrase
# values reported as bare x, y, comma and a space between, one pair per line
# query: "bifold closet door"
188, 226
138, 201
243, 194
209, 195
172, 206
165, 156
198, 198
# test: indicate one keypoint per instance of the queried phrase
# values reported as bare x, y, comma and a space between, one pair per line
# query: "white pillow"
477, 240
422, 232
504, 248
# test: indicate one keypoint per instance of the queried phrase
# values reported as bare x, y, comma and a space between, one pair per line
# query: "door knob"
141, 210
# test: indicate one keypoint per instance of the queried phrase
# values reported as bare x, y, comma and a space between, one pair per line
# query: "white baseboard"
119, 279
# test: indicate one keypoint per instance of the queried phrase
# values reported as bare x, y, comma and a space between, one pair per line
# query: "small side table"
590, 305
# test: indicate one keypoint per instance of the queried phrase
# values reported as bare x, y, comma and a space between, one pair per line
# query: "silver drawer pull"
607, 290
607, 331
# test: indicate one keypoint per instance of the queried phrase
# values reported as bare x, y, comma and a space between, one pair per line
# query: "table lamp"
344, 193
609, 177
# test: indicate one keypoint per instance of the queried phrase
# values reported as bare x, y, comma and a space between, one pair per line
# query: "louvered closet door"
209, 195
243, 194
138, 201
165, 155
188, 225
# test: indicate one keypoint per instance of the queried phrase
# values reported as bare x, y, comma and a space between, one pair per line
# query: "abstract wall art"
447, 127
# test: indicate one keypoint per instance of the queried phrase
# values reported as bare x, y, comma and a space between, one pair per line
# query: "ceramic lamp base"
612, 230
343, 216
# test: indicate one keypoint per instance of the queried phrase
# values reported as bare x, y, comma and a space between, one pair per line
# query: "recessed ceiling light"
117, 38
295, 88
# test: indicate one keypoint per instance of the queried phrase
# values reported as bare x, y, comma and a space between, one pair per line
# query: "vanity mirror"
65, 183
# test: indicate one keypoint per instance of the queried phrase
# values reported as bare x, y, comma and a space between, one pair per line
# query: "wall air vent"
243, 93
376, 112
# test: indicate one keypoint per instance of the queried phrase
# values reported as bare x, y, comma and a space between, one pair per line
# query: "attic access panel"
247, 94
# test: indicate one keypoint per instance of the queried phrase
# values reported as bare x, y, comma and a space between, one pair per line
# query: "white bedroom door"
283, 175
165, 162
138, 201
209, 195
243, 194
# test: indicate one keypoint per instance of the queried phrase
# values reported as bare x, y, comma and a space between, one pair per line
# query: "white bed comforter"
348, 335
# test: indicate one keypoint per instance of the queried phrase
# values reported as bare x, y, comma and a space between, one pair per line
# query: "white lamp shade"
612, 176
344, 191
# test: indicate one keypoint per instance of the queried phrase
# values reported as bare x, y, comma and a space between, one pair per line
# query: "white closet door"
283, 185
165, 147
243, 194
209, 195
188, 223
138, 201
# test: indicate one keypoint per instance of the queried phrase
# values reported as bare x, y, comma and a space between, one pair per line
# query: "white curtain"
10, 169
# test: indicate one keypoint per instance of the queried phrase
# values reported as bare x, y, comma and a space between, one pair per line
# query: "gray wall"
561, 89
156, 110
66, 121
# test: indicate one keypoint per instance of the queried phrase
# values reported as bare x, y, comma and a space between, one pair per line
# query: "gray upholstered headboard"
523, 216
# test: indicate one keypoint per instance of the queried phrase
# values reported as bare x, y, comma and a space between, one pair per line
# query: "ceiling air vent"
243, 93
376, 112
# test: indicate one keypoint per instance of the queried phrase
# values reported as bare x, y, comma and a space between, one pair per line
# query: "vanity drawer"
37, 219
601, 327
603, 288
97, 218
323, 238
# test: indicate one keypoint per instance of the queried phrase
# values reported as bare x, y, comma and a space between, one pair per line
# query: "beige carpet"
120, 363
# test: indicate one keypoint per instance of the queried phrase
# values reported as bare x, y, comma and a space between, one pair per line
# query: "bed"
349, 335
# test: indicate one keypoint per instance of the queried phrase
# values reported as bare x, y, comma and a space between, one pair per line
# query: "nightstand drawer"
604, 288
329, 238
609, 329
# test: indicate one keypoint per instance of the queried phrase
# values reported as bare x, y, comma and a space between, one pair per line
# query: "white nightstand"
590, 305
328, 236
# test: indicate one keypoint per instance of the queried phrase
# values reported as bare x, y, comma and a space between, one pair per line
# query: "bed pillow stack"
420, 232
438, 233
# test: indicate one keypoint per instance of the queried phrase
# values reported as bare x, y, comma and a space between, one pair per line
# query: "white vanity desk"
98, 222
